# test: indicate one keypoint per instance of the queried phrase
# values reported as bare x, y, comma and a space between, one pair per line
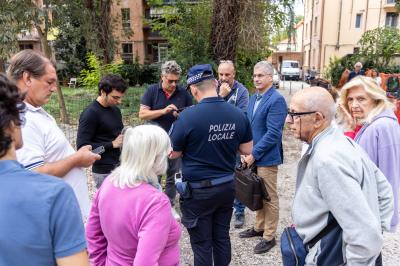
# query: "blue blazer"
267, 126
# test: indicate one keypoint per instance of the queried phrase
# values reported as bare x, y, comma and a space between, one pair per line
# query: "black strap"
332, 224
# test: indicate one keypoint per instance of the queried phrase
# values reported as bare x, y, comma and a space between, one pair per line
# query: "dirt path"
242, 249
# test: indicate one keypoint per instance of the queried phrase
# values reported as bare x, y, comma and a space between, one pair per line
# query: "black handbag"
249, 188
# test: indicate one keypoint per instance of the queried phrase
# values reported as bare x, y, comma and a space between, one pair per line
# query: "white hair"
373, 90
265, 66
144, 156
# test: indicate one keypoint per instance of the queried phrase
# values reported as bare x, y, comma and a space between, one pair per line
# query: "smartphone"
99, 150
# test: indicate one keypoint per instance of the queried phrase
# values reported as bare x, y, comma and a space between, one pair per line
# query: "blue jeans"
239, 207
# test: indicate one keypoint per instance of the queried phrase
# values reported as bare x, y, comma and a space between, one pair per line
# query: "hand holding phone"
99, 150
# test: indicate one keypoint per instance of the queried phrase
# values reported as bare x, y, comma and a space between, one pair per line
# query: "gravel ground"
242, 249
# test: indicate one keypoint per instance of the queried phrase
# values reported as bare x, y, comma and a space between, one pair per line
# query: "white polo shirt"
44, 142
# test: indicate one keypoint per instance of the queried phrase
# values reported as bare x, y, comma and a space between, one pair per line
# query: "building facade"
334, 27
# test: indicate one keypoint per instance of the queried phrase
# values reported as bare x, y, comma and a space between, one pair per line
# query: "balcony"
390, 6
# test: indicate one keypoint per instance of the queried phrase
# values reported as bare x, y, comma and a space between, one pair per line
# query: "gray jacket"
336, 176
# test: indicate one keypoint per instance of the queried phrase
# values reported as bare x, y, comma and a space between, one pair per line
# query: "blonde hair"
372, 89
144, 156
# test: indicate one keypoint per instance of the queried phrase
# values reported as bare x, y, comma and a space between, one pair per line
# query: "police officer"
208, 137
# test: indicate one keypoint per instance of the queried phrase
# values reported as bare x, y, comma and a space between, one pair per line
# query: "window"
26, 46
390, 1
358, 20
126, 17
162, 52
356, 50
315, 25
127, 53
306, 35
391, 20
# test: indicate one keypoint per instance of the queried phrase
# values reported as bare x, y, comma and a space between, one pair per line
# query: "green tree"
212, 30
379, 45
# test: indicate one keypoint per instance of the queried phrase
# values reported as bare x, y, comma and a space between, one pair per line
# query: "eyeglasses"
172, 81
292, 115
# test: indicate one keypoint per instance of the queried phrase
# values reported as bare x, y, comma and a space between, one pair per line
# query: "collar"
9, 165
317, 138
212, 99
265, 92
32, 108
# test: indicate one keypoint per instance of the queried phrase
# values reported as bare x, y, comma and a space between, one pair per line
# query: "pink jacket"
132, 226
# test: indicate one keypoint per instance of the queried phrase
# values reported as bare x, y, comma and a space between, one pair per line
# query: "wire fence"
77, 99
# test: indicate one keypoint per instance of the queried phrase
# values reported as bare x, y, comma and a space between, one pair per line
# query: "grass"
77, 99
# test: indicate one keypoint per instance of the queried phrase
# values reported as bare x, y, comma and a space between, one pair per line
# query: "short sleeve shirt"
40, 218
209, 134
155, 99
44, 142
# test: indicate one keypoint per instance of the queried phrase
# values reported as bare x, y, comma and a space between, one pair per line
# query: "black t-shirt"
155, 98
99, 126
209, 134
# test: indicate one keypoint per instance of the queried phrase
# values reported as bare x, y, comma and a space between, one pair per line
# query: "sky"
299, 7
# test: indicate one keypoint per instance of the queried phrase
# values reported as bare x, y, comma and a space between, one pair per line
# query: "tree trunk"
2, 69
225, 30
48, 53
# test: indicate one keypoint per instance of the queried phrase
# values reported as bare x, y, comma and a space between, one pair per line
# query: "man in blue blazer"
267, 112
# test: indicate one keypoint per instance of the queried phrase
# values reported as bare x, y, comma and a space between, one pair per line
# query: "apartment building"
334, 27
142, 44
134, 38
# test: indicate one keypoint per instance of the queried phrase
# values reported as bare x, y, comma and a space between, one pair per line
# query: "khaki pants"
267, 218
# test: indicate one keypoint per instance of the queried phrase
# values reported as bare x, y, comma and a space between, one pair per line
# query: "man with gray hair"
357, 71
343, 202
46, 149
266, 112
160, 105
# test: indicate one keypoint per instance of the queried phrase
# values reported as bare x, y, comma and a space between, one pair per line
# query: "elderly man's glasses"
292, 115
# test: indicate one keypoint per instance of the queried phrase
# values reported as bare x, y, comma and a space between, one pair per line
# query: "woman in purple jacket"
372, 123
130, 221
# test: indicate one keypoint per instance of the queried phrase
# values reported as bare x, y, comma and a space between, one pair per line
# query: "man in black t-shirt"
160, 105
208, 137
100, 124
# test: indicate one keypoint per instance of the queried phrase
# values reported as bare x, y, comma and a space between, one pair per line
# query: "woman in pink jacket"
130, 221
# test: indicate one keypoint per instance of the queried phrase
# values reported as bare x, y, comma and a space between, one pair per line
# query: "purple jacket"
381, 140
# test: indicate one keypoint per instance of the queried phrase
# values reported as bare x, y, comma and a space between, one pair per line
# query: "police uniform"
208, 135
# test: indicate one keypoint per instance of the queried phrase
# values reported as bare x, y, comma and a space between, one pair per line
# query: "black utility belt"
211, 182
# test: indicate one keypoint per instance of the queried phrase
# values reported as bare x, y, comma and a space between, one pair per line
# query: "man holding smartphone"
100, 126
160, 105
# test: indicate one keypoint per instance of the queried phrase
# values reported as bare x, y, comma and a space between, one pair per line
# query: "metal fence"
77, 99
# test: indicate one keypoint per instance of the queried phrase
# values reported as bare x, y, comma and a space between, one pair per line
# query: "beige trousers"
267, 218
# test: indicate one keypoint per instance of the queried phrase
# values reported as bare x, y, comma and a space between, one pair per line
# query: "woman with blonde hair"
130, 221
371, 122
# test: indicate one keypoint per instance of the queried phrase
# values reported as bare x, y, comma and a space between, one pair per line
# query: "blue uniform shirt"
40, 218
155, 99
209, 134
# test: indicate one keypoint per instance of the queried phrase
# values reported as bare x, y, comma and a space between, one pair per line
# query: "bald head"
316, 99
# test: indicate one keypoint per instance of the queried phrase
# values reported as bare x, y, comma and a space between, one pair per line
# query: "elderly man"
100, 125
336, 183
46, 149
236, 94
357, 71
266, 112
208, 136
161, 104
